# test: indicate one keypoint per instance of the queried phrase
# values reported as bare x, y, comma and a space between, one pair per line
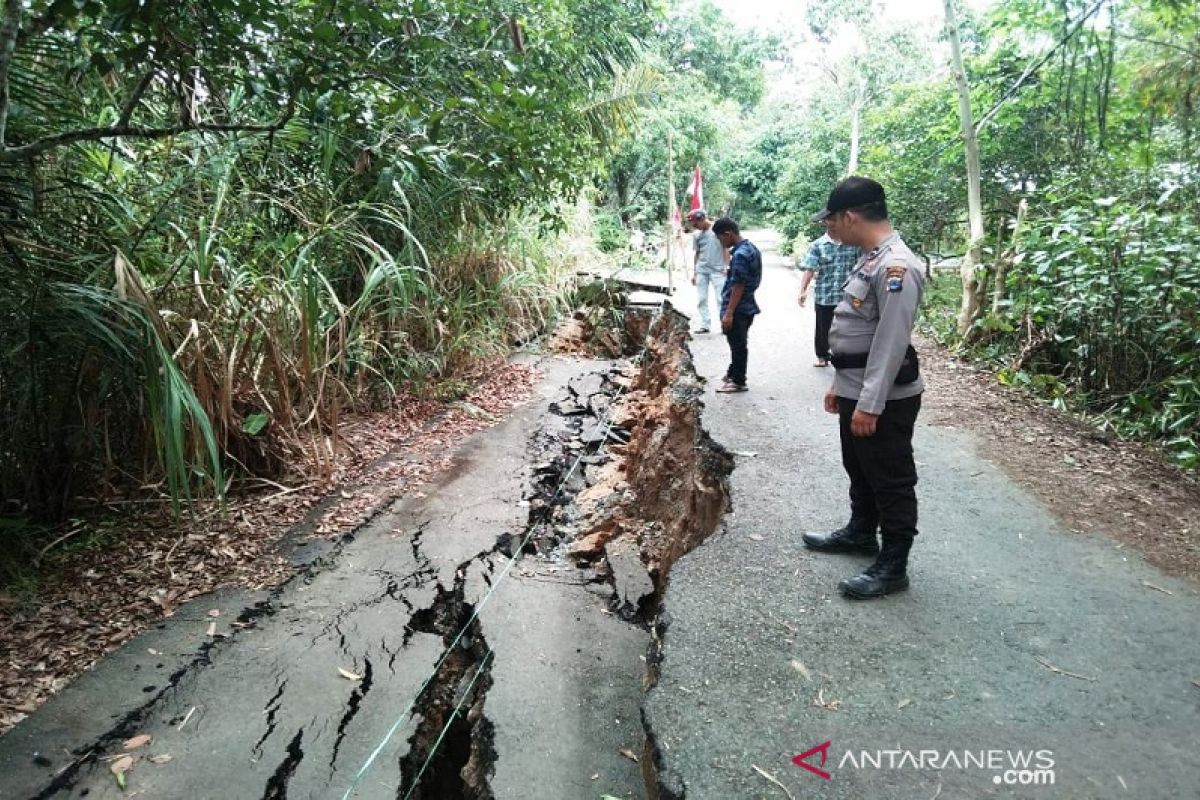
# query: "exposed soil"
1092, 482
661, 486
137, 574
624, 480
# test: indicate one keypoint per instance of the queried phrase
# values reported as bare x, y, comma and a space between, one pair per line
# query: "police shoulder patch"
894, 278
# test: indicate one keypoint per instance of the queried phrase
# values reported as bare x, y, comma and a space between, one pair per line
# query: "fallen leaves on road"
348, 675
829, 705
904, 703
96, 600
161, 758
133, 743
1125, 489
625, 751
214, 612
803, 670
119, 767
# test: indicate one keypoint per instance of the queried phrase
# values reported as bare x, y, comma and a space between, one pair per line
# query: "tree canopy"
1086, 115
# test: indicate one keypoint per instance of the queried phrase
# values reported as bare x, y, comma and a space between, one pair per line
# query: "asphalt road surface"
1022, 654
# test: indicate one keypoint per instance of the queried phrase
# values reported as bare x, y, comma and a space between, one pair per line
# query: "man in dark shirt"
737, 299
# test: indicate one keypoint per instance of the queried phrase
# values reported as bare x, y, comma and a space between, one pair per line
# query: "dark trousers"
738, 349
824, 320
883, 475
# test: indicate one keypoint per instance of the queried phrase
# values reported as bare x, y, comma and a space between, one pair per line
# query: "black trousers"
883, 475
739, 351
824, 321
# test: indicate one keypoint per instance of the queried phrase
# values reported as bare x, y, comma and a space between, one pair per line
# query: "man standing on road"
737, 300
876, 388
829, 262
708, 265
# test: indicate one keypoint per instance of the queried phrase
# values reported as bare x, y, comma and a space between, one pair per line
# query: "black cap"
851, 193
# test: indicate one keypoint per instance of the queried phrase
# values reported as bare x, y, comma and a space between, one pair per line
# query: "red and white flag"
695, 189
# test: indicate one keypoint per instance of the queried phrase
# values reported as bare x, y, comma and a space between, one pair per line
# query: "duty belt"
910, 367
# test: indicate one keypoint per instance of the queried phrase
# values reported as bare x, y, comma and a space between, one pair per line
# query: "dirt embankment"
653, 483
1095, 483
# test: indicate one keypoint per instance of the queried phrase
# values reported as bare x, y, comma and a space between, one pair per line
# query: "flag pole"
670, 213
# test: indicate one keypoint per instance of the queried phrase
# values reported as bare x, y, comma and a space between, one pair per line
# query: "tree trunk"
856, 109
972, 300
1108, 74
10, 26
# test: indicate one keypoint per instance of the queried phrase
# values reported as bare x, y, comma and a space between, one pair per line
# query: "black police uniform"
877, 372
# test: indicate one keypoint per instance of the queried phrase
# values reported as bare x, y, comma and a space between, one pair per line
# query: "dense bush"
1086, 113
225, 223
1107, 300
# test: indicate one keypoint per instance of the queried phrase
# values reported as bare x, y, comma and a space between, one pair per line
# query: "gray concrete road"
266, 712
1016, 636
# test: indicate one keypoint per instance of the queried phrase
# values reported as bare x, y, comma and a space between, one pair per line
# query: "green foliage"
1113, 291
610, 235
712, 79
706, 54
1098, 311
303, 207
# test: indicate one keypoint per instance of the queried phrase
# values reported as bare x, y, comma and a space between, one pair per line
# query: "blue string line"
479, 606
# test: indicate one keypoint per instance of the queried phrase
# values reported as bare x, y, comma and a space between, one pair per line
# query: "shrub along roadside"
316, 206
1102, 318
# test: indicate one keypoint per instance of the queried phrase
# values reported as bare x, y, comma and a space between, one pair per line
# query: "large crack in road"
573, 528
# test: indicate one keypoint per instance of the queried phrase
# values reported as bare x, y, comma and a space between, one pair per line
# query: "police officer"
876, 388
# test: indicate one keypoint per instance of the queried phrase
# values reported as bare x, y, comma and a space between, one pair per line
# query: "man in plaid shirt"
830, 263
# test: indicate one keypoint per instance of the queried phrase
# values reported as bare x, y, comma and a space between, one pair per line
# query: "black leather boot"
853, 538
888, 575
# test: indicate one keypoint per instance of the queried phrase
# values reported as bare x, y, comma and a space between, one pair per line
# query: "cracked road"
272, 711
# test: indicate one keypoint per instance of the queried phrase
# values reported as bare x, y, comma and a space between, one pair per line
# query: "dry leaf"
215, 612
803, 670
348, 675
173, 569
773, 780
905, 702
756, 537
151, 651
625, 751
119, 767
141, 740
828, 705
596, 777
161, 758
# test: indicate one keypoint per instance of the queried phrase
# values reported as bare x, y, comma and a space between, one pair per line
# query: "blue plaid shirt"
833, 263
745, 267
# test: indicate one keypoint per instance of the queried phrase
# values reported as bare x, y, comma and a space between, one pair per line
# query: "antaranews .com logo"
1008, 767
